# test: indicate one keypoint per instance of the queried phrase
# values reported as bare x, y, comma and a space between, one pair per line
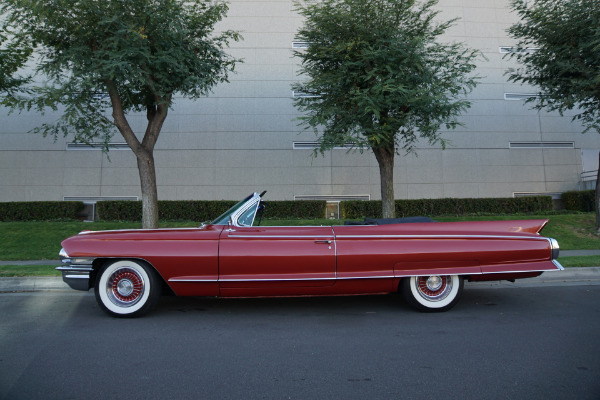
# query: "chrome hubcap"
434, 283
125, 287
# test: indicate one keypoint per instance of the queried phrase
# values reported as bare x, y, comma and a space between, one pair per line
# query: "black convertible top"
387, 221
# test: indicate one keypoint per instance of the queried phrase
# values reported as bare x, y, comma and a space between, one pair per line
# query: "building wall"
240, 138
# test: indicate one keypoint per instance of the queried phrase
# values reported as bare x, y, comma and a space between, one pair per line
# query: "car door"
276, 257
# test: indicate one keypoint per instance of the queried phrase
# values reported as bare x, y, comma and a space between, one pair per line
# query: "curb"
33, 284
568, 277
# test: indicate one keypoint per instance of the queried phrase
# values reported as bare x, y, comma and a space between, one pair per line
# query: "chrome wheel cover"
125, 287
434, 287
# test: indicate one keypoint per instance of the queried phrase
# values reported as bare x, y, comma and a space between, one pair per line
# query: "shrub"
168, 210
196, 210
579, 200
40, 210
449, 206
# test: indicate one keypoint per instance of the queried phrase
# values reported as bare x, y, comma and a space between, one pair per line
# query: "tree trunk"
597, 197
147, 173
156, 112
385, 159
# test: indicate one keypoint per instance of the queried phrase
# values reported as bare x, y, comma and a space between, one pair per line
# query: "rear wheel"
127, 288
432, 293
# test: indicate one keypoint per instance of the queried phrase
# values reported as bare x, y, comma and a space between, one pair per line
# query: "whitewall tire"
432, 293
127, 288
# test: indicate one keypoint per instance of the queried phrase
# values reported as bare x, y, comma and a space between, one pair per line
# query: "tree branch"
120, 120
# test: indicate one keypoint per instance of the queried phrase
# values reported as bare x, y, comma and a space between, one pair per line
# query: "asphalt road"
498, 343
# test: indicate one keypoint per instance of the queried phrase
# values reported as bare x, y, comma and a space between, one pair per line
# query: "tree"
13, 56
558, 45
125, 56
379, 79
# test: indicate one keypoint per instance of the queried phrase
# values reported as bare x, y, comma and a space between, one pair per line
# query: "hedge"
40, 210
450, 206
579, 201
168, 210
195, 210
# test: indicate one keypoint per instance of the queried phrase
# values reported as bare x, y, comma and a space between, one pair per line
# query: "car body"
233, 256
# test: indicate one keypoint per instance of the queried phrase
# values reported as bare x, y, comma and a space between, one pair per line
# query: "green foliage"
566, 65
306, 209
14, 53
40, 210
139, 51
579, 200
376, 76
168, 210
449, 206
196, 210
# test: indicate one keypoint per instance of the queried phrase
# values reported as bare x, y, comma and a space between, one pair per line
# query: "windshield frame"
233, 214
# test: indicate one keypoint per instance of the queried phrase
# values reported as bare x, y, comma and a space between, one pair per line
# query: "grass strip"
28, 270
579, 261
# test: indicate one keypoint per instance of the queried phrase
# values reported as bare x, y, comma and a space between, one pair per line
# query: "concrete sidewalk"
568, 277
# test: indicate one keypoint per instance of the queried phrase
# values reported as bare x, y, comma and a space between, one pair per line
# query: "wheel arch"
99, 262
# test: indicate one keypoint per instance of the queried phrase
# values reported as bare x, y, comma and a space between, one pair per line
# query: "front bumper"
76, 271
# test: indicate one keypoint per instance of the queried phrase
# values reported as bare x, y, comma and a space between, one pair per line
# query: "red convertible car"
233, 256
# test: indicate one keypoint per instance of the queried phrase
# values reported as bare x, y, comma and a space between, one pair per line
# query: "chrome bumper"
76, 272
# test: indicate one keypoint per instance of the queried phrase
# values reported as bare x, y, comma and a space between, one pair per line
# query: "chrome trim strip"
440, 236
82, 268
558, 265
282, 236
357, 277
144, 230
82, 276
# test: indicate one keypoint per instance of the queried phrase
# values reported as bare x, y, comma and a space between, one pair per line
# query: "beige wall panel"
82, 177
425, 191
32, 159
524, 157
312, 176
185, 176
185, 158
120, 177
494, 174
350, 176
461, 190
121, 190
461, 174
526, 173
304, 158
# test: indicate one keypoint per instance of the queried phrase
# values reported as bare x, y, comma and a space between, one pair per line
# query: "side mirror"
230, 224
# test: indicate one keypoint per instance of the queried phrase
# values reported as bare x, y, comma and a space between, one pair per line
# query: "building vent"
300, 45
519, 96
299, 93
95, 199
315, 145
554, 195
541, 145
96, 146
338, 198
512, 49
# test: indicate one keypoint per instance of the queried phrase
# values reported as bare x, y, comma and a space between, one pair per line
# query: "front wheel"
127, 288
432, 293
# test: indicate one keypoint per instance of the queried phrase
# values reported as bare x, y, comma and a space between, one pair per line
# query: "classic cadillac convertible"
233, 256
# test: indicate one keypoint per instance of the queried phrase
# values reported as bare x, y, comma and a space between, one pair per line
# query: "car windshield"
223, 219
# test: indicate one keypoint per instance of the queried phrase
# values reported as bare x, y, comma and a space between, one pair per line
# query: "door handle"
323, 241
